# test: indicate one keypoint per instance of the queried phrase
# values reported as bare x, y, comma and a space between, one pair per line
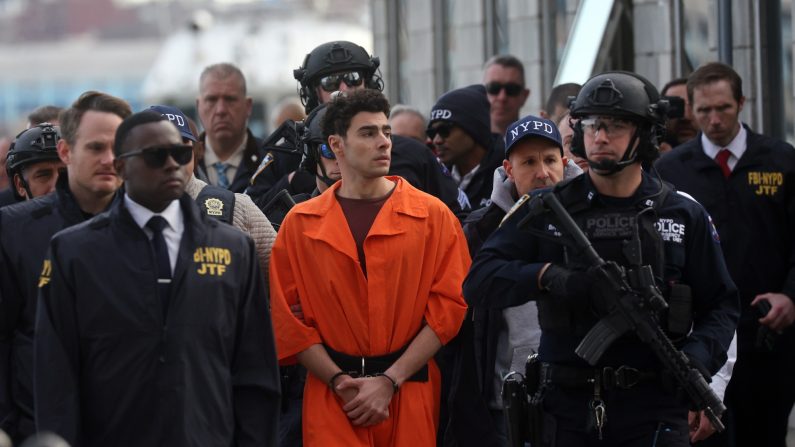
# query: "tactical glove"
572, 285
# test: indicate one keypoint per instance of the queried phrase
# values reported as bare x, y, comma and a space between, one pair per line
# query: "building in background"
152, 51
427, 48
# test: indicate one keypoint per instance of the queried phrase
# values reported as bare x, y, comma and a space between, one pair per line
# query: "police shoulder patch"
215, 207
266, 160
46, 273
519, 203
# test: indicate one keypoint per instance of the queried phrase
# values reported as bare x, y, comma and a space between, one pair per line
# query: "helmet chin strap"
323, 176
610, 167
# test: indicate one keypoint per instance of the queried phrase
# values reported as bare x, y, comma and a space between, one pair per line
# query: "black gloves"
571, 285
577, 288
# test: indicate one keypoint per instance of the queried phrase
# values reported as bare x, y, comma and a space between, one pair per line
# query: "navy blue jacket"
7, 197
504, 273
25, 232
753, 210
111, 369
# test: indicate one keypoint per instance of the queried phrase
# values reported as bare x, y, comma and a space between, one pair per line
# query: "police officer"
342, 66
86, 187
32, 164
625, 399
490, 340
153, 326
317, 162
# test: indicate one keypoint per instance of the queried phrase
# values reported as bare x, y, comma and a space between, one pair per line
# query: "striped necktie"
220, 168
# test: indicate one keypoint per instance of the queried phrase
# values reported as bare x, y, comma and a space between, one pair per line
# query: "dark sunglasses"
331, 83
443, 130
155, 157
511, 89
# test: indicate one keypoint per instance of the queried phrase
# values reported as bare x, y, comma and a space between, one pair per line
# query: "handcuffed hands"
366, 399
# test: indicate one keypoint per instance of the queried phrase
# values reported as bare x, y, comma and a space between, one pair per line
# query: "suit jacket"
253, 155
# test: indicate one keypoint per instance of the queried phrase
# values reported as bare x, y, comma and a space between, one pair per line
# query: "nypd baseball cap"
532, 126
176, 116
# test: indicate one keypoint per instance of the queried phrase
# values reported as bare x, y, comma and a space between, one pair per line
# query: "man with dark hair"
682, 129
232, 153
377, 267
178, 350
742, 179
630, 220
503, 76
44, 114
459, 129
345, 66
86, 187
558, 101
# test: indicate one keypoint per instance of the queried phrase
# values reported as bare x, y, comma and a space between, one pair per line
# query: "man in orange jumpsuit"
376, 266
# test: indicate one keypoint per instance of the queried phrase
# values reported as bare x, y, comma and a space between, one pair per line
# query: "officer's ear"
19, 184
249, 106
63, 150
508, 167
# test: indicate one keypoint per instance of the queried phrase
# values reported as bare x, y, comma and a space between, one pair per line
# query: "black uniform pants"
761, 394
643, 416
293, 379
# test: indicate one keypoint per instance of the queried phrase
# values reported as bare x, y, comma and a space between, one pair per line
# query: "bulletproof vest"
217, 202
610, 227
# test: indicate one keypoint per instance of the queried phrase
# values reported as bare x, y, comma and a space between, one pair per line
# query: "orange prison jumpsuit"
417, 259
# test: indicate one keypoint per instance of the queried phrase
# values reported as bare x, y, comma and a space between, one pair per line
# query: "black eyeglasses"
331, 83
511, 88
155, 157
443, 130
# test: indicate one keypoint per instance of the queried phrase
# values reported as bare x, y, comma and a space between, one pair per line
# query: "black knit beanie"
469, 109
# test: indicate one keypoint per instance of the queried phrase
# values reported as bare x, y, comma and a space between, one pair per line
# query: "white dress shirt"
233, 162
172, 232
736, 147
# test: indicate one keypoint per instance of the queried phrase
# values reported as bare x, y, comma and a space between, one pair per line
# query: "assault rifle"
633, 307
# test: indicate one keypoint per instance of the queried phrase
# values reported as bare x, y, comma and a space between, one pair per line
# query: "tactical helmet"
313, 141
335, 57
623, 95
39, 143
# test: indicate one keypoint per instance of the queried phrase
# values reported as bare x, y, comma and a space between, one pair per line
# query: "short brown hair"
714, 72
341, 110
222, 71
508, 61
44, 114
91, 100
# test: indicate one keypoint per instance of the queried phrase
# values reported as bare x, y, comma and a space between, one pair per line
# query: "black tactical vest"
610, 225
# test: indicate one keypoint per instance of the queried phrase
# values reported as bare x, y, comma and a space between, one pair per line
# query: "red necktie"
722, 159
